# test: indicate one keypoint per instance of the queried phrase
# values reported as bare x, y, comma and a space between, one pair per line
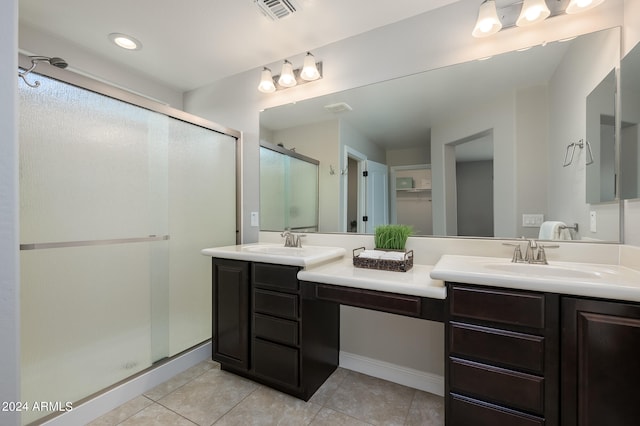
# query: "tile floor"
205, 395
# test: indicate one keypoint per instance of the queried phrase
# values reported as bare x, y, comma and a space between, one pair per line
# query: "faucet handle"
541, 255
517, 253
298, 239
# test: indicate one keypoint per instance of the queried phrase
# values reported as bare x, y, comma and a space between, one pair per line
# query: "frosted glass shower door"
202, 213
288, 192
85, 199
303, 199
116, 202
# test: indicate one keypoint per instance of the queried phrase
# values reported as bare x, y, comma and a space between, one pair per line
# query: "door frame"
360, 159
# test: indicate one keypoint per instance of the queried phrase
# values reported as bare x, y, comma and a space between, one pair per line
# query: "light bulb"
266, 82
287, 78
488, 22
577, 6
309, 70
533, 11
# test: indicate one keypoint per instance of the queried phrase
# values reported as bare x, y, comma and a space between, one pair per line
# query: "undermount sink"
286, 251
276, 253
550, 271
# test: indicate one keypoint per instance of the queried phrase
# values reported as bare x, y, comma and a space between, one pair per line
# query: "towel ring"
580, 144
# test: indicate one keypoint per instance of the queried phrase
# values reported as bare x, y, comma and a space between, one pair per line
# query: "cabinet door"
600, 366
231, 312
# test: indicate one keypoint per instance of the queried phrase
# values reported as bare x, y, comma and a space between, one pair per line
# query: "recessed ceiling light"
125, 41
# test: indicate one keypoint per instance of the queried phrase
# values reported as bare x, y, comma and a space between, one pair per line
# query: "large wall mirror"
474, 149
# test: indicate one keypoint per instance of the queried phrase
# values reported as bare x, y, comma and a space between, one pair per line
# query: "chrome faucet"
291, 239
535, 253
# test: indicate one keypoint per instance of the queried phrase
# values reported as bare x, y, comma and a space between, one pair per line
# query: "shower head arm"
35, 60
24, 74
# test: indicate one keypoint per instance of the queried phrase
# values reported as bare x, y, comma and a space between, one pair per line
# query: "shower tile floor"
205, 395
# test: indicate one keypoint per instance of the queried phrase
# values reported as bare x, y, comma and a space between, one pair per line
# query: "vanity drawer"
279, 277
273, 303
371, 299
276, 362
499, 385
276, 329
466, 412
525, 309
504, 347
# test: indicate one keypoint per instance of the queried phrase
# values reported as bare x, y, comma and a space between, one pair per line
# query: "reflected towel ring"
580, 144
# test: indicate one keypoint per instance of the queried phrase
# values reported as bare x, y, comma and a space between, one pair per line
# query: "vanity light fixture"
533, 11
524, 12
125, 41
289, 77
577, 6
488, 22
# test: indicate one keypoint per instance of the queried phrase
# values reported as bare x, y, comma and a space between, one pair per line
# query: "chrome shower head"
58, 62
35, 60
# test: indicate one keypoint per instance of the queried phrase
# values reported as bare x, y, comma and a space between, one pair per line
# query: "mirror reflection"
630, 137
599, 146
474, 149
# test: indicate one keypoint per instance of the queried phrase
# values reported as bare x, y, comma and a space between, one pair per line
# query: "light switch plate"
593, 221
532, 220
255, 219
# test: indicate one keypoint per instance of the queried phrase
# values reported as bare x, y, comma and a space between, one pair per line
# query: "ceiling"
189, 44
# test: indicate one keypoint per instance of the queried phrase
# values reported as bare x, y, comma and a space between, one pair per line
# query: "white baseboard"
113, 398
416, 379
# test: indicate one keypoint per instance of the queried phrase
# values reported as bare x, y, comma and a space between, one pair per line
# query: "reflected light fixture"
488, 22
309, 69
522, 13
125, 41
533, 11
577, 6
266, 82
287, 78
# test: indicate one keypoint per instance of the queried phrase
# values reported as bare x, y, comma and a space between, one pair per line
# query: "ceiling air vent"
277, 9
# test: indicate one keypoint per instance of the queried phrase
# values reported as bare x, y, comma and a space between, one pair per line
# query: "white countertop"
573, 278
277, 253
415, 282
325, 265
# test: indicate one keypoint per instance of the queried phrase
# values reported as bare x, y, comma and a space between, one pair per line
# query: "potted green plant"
392, 237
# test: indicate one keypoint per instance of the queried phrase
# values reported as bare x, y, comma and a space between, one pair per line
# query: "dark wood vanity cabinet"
600, 362
263, 317
502, 364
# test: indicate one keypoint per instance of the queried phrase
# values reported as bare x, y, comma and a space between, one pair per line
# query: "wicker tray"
383, 264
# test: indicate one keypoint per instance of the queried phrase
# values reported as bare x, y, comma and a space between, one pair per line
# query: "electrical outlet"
532, 220
593, 221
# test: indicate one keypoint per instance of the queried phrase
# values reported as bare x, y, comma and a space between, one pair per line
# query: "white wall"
498, 116
9, 255
532, 130
409, 156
